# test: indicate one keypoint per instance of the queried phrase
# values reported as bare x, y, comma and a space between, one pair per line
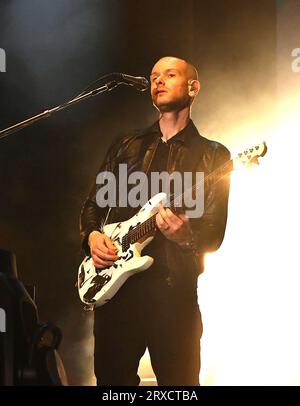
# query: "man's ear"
194, 87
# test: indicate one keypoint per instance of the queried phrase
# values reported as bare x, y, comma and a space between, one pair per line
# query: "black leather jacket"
190, 152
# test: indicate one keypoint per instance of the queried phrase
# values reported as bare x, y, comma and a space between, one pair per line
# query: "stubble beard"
175, 105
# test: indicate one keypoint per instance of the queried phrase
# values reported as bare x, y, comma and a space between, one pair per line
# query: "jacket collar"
183, 136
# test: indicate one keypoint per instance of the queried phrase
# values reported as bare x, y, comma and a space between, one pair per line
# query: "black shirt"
156, 248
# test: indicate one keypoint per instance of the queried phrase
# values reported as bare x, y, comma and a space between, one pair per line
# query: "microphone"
140, 83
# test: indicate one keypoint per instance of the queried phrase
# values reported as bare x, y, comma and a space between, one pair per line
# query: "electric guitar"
97, 286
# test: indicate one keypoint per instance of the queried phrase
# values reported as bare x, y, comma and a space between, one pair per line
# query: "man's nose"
159, 80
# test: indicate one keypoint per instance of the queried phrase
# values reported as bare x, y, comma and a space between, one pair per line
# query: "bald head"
188, 68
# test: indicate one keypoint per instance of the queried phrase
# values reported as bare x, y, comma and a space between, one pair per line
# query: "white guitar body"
97, 286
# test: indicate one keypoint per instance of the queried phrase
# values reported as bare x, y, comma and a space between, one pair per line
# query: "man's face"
170, 85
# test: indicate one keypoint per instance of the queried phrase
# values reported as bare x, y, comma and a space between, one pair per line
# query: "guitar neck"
209, 180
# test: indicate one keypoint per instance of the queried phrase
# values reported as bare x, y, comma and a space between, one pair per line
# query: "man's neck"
171, 123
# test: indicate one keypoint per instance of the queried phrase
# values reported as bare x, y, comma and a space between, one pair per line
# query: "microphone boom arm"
47, 113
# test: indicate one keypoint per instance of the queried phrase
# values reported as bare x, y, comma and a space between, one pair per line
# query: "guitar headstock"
250, 156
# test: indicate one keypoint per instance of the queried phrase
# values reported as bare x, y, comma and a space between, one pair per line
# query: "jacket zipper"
169, 156
153, 153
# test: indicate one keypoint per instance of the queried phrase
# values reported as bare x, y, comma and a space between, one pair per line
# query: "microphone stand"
47, 113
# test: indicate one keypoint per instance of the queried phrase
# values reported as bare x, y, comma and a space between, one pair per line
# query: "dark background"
54, 49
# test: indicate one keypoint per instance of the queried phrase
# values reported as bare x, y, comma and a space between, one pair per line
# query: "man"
158, 308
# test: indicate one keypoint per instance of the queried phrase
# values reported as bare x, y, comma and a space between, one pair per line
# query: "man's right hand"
103, 250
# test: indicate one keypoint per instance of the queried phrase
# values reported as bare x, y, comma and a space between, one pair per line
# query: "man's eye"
171, 75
